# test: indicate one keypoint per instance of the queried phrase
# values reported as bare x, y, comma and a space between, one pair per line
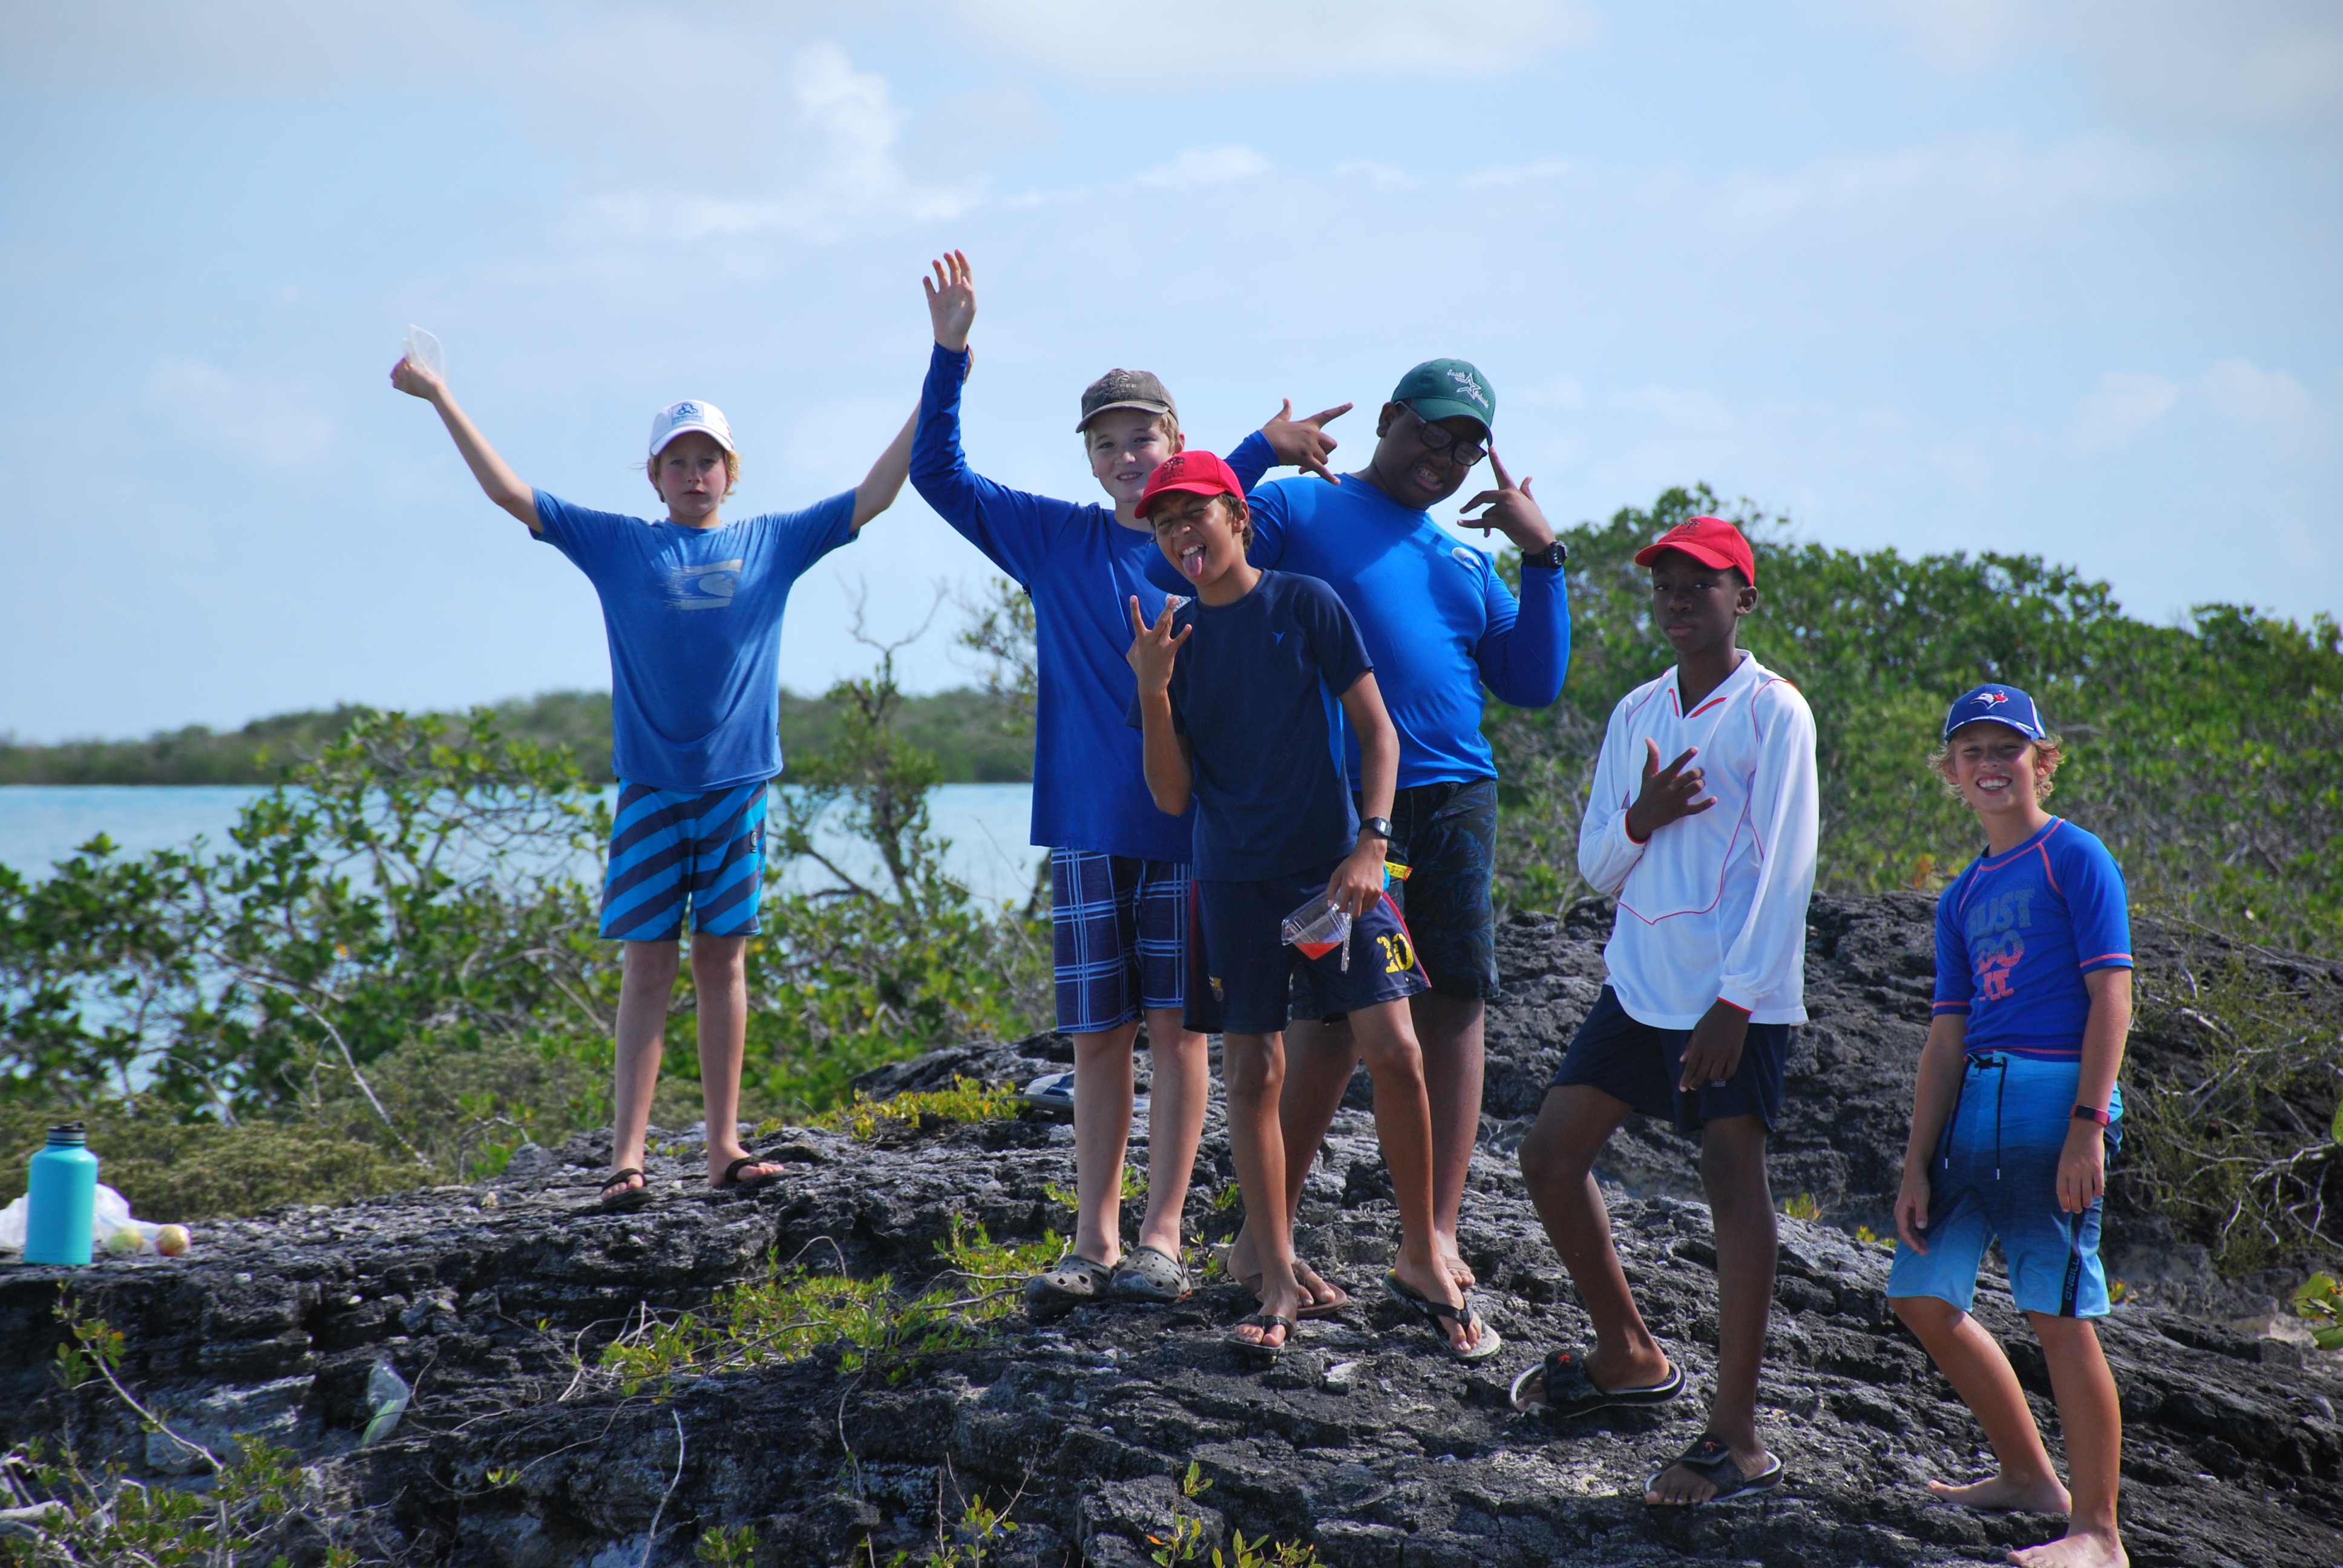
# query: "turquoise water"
41, 824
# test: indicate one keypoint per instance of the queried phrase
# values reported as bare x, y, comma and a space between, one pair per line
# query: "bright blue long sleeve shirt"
1082, 569
1439, 622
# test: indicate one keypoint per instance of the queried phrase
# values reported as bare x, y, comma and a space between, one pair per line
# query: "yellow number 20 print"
1397, 956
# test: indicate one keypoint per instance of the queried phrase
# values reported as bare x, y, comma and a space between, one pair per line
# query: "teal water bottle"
64, 1196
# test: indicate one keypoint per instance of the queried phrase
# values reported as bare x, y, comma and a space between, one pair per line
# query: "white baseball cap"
677, 417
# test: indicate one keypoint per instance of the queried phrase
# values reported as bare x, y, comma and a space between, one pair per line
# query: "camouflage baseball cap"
1444, 388
1126, 390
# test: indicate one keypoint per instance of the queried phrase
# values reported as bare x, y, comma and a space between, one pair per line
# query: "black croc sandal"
733, 1181
1438, 1315
617, 1195
1570, 1393
1260, 1350
1712, 1460
1077, 1281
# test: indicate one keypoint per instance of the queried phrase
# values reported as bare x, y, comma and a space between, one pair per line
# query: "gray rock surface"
1364, 1439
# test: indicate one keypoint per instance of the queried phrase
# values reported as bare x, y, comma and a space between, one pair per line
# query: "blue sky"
2000, 274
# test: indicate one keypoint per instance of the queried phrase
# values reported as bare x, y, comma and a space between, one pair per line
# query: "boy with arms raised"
1118, 867
2012, 1116
1712, 866
1238, 690
692, 606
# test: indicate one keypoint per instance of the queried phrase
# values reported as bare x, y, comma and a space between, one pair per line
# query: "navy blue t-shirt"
694, 619
2016, 933
1256, 689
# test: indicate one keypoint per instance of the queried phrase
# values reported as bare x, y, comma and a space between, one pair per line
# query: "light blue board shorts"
1994, 1176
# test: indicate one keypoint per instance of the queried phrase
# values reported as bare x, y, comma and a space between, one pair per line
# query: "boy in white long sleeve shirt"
1711, 858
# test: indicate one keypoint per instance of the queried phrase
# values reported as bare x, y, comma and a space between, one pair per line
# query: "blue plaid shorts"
676, 849
1118, 936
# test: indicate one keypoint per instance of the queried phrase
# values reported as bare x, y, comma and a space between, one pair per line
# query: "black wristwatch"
1380, 826
1550, 559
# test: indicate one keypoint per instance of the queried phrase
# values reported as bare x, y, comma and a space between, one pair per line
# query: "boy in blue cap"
1242, 693
2013, 1115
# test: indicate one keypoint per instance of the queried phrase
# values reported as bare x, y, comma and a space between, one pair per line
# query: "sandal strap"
618, 1178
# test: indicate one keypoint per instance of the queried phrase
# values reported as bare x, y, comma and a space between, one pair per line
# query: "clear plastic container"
1318, 928
422, 352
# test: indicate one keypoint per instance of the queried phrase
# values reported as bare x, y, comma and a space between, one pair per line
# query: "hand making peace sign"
1155, 649
1512, 510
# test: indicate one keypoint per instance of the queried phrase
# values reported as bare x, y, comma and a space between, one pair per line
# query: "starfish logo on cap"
1469, 387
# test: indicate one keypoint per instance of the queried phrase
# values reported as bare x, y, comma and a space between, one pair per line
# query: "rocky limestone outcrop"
1363, 1439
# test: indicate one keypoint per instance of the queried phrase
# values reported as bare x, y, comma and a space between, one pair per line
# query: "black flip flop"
1711, 1458
732, 1181
1265, 1353
1570, 1393
1438, 1315
617, 1195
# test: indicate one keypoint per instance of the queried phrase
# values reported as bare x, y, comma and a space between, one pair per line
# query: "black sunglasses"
1442, 442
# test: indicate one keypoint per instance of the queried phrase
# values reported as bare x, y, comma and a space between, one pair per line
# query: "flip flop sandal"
1438, 1315
733, 1181
1077, 1281
1570, 1393
1314, 1311
1711, 1459
1150, 1274
1264, 1353
617, 1195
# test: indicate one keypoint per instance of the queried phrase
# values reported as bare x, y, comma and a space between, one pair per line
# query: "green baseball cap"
1444, 388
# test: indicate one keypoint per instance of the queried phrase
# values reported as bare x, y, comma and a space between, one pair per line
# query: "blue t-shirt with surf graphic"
2016, 934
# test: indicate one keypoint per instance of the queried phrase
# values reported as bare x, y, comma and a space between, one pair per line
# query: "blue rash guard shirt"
1082, 568
1256, 689
694, 621
2016, 933
1438, 620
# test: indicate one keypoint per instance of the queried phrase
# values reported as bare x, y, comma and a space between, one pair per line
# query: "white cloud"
263, 423
2184, 64
2250, 395
1207, 166
1283, 39
2111, 415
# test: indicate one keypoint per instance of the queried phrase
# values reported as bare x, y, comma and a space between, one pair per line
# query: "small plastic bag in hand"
1317, 927
422, 352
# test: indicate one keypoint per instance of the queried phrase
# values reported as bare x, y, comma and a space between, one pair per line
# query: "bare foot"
1316, 1289
1458, 1270
1435, 1284
2077, 1549
2005, 1493
1245, 1269
1679, 1486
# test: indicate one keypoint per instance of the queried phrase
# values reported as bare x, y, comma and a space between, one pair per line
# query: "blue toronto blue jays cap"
1997, 705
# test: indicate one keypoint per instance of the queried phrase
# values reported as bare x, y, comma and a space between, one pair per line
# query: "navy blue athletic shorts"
1445, 834
1640, 1064
673, 850
1118, 933
1240, 985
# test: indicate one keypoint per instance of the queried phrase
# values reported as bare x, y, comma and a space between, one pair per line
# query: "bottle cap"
68, 1135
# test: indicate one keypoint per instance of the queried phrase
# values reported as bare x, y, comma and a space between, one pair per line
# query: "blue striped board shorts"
1118, 936
1994, 1176
674, 852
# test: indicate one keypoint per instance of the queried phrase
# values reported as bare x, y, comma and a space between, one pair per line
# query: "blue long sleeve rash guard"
1082, 568
1439, 622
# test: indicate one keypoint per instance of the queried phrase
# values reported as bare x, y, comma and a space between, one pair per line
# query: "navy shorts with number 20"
1240, 985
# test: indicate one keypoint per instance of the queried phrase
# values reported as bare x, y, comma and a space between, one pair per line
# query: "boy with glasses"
1440, 626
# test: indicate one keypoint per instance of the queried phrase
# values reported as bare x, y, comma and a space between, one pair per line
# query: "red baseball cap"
1710, 541
1199, 473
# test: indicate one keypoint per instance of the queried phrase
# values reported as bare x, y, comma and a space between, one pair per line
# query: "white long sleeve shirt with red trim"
1713, 908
